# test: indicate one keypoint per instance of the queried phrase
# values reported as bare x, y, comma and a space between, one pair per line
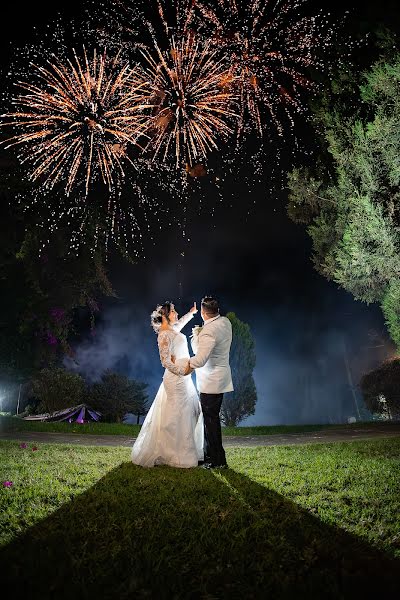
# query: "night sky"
246, 251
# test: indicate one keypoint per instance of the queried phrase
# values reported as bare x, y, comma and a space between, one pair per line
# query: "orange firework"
272, 47
191, 97
75, 120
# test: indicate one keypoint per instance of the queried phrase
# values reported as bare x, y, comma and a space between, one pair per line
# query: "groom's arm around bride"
202, 348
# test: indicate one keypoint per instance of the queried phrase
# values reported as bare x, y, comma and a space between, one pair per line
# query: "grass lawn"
317, 521
18, 424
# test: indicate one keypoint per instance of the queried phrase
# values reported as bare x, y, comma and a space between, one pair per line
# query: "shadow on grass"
171, 533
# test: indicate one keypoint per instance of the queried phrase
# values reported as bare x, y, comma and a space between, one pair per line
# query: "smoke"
313, 341
302, 358
123, 342
309, 364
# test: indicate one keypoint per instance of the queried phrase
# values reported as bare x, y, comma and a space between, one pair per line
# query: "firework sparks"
74, 123
191, 98
223, 67
271, 49
122, 218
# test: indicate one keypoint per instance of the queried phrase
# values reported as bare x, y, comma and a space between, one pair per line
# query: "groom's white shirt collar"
211, 320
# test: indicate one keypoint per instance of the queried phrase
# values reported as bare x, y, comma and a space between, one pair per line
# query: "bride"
172, 433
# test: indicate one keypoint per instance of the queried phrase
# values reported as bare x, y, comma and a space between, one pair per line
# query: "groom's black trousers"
213, 450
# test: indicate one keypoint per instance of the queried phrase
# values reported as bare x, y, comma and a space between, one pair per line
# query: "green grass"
282, 429
9, 424
318, 521
17, 424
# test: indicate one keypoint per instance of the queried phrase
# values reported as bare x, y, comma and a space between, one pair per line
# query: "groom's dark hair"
209, 304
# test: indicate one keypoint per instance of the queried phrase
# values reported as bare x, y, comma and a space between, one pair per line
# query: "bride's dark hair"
161, 311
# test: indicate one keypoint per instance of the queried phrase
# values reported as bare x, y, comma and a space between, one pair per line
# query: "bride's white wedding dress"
172, 433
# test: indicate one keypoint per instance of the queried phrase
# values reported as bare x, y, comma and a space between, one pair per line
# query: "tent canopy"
76, 414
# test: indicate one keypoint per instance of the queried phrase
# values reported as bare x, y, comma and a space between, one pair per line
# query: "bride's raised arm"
165, 348
180, 324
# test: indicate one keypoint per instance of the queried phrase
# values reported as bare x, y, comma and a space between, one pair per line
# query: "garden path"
324, 436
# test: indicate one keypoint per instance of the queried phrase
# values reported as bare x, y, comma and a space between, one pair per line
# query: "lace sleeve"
165, 348
180, 324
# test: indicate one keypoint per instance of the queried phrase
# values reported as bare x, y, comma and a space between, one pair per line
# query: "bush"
381, 389
391, 310
57, 389
115, 395
240, 403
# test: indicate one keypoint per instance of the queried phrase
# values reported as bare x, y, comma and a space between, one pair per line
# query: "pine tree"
115, 395
240, 403
350, 202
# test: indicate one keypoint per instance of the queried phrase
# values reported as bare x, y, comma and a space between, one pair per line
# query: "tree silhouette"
240, 403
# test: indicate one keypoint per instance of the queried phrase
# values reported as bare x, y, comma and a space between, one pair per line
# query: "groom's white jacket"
211, 361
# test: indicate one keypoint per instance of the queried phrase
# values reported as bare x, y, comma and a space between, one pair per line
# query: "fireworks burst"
192, 100
271, 49
75, 122
223, 68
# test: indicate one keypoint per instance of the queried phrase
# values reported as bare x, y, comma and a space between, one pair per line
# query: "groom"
213, 375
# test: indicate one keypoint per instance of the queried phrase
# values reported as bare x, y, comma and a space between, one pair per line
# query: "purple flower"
57, 314
51, 339
93, 305
7, 483
23, 445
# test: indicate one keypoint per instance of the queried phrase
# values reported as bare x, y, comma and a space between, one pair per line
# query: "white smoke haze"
304, 327
124, 342
300, 374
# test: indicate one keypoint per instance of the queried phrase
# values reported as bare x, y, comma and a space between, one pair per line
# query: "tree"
350, 202
141, 399
43, 294
45, 281
381, 389
240, 403
61, 283
115, 395
57, 389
